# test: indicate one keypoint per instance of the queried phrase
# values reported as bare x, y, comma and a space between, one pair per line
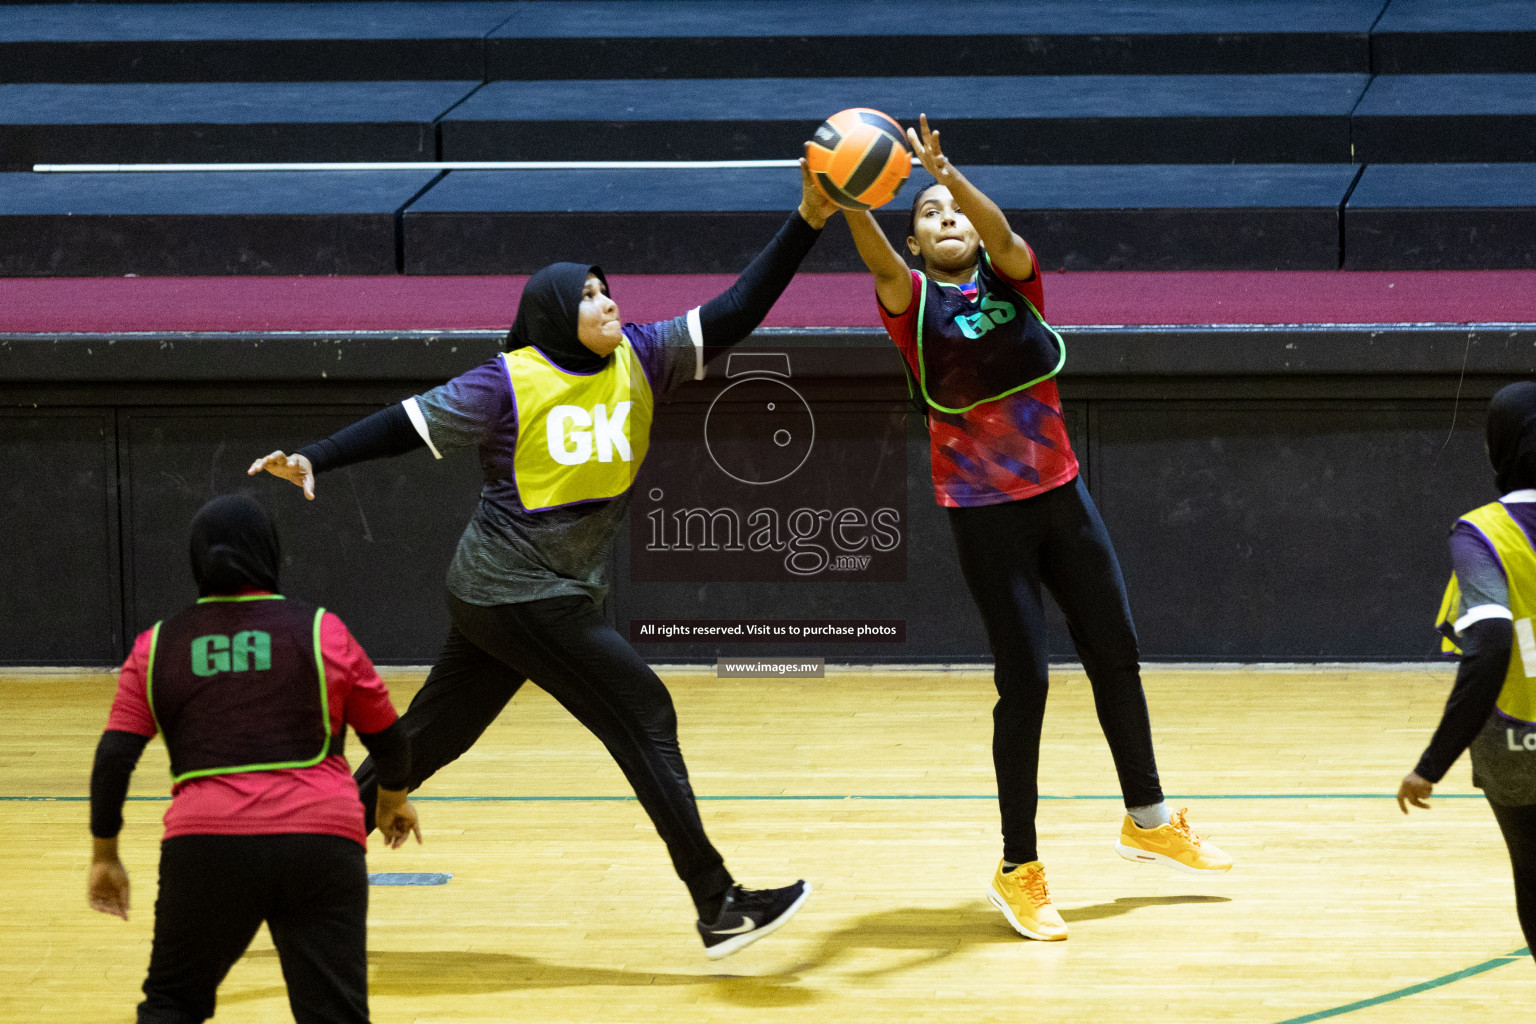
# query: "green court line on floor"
1423, 986
1173, 798
1308, 1018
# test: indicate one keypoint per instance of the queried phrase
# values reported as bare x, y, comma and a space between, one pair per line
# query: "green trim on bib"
240, 597
149, 675
271, 766
922, 369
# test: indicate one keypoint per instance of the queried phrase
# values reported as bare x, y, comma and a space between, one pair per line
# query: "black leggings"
1519, 827
312, 890
564, 645
1006, 552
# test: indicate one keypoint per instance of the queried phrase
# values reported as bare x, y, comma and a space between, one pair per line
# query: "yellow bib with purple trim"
1517, 698
580, 437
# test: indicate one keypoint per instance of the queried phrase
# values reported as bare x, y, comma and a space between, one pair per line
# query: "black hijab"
1512, 436
234, 546
546, 317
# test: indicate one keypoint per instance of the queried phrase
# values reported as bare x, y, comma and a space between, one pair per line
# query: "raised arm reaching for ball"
527, 583
971, 328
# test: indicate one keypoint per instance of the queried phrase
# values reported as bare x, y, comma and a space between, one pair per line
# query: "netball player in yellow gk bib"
1486, 615
597, 427
562, 421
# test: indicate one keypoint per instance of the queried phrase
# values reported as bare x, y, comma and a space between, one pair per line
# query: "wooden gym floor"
873, 784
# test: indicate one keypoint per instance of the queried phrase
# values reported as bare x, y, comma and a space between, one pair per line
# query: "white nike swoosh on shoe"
747, 924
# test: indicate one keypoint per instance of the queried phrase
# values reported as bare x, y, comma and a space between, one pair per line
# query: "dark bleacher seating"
728, 39
711, 221
1442, 217
1446, 118
279, 222
501, 222
1016, 120
240, 42
222, 122
1441, 36
1125, 118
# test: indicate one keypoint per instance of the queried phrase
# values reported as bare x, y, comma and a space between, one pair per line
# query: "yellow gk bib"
580, 437
1517, 699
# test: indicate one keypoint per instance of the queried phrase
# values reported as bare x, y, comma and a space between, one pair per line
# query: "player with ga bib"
1486, 617
984, 361
253, 691
562, 422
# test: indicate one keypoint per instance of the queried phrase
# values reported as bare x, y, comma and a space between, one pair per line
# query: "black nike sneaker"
749, 914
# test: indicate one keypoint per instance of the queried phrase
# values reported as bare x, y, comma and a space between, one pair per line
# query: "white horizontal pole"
449, 165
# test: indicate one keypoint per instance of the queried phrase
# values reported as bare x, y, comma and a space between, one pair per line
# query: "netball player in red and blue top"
983, 359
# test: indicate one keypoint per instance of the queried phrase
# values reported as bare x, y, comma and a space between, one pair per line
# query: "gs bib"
970, 352
580, 437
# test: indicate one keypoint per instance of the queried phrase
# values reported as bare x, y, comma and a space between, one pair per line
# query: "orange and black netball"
859, 158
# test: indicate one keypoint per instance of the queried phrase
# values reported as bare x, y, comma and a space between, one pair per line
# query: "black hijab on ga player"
234, 547
1512, 436
546, 316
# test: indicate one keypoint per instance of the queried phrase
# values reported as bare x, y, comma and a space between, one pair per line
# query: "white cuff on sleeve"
1481, 612
696, 333
413, 412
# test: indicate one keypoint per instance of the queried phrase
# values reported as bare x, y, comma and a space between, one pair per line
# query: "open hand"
1414, 790
928, 152
293, 468
108, 888
815, 207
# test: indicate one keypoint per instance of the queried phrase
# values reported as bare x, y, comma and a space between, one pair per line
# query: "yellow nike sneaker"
1022, 896
1175, 844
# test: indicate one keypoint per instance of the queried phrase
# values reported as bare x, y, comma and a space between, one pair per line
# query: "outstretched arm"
1010, 256
387, 432
893, 279
735, 313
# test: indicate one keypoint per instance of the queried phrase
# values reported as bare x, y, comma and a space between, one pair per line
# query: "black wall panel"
1286, 530
59, 579
372, 546
1273, 494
